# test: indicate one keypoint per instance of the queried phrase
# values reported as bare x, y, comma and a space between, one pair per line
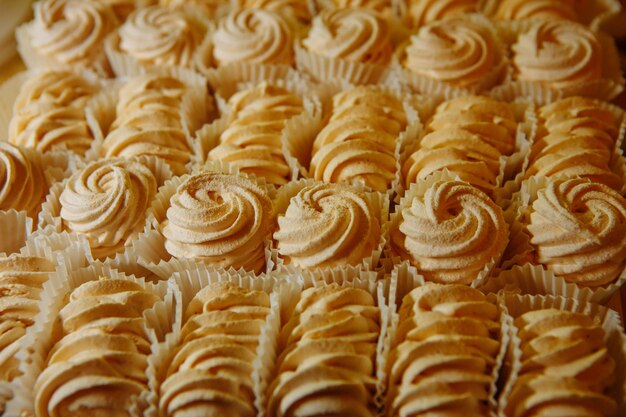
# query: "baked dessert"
211, 370
358, 144
151, 121
423, 12
21, 282
444, 353
578, 229
97, 365
253, 140
208, 8
327, 225
255, 36
49, 112
558, 54
68, 32
23, 185
221, 219
468, 136
459, 51
451, 233
537, 9
107, 202
296, 12
576, 137
566, 369
382, 7
326, 364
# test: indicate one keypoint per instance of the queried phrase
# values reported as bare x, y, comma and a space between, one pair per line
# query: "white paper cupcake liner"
516, 305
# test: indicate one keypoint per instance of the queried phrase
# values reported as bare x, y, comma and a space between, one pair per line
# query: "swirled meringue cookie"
578, 229
150, 122
327, 360
253, 140
358, 145
21, 282
467, 136
451, 233
49, 112
456, 51
537, 9
296, 12
423, 12
327, 225
445, 350
566, 368
221, 219
97, 365
382, 7
23, 185
256, 36
208, 8
107, 202
211, 370
557, 53
160, 36
72, 32
358, 35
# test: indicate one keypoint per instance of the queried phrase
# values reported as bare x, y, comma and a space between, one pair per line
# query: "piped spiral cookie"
423, 12
358, 144
444, 353
327, 360
222, 219
23, 184
468, 136
450, 233
537, 10
211, 370
578, 229
49, 112
566, 369
97, 365
151, 121
576, 138
327, 225
71, 32
253, 140
107, 202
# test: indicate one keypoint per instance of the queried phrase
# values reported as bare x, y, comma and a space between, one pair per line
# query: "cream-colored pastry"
107, 201
97, 365
358, 145
358, 35
72, 32
578, 229
23, 185
382, 7
445, 349
423, 12
21, 282
257, 36
451, 233
566, 369
327, 225
253, 140
327, 360
557, 53
150, 121
158, 35
224, 220
456, 51
209, 8
538, 9
291, 10
211, 371
49, 112
468, 136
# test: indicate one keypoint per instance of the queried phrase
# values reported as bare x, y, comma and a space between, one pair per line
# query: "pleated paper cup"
515, 305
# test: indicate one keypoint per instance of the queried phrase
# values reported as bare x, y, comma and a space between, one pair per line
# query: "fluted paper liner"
402, 281
392, 255
38, 339
16, 227
288, 296
516, 305
224, 78
189, 282
378, 201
